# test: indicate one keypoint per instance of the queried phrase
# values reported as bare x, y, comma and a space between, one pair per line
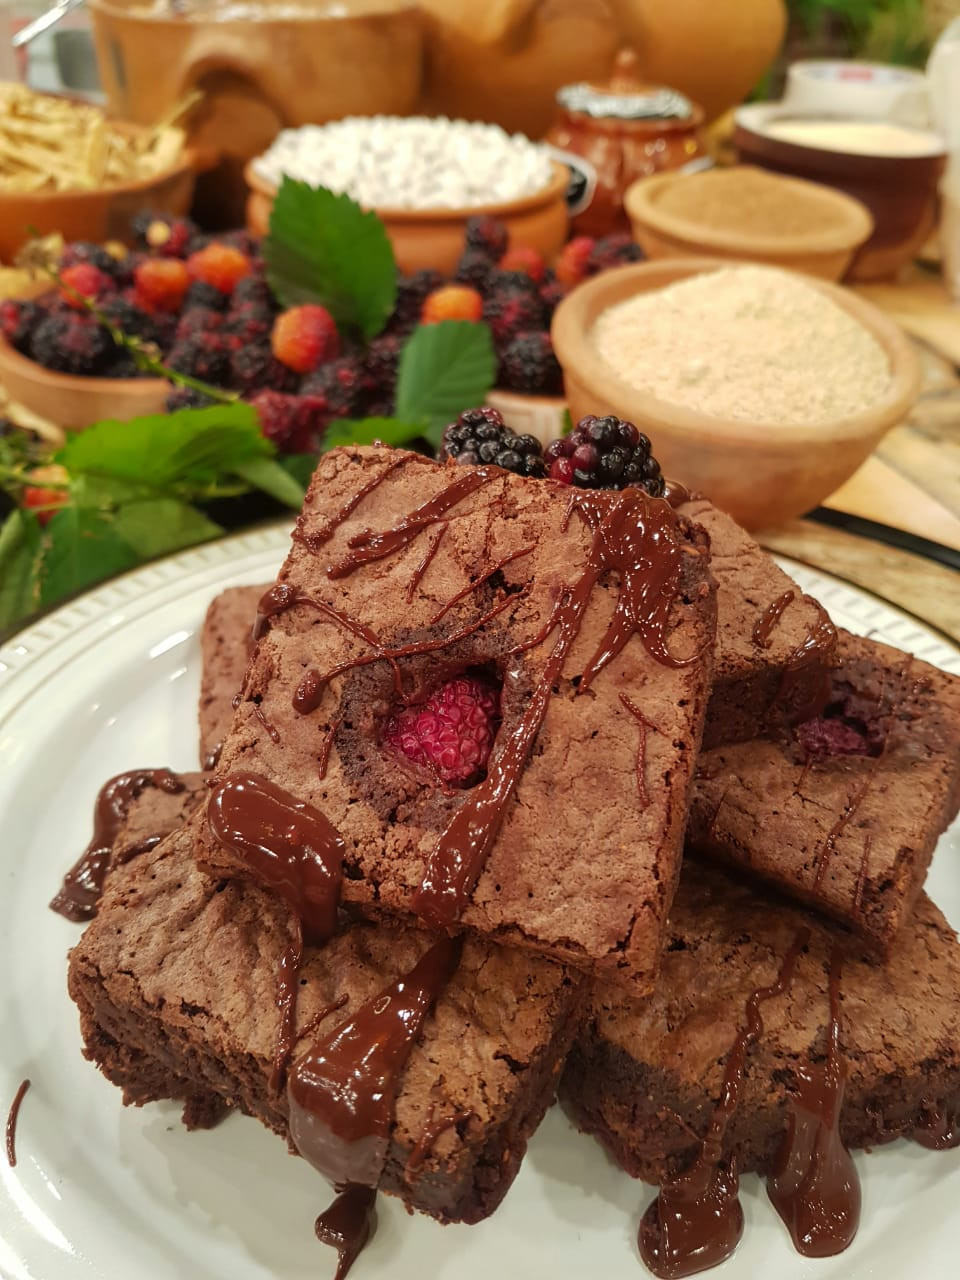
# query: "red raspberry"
35, 496
523, 258
86, 279
305, 337
161, 283
573, 262
451, 302
451, 733
220, 265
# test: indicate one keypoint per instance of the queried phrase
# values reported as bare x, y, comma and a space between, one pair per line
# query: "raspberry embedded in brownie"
406, 575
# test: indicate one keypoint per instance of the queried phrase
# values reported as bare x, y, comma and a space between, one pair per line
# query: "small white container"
858, 90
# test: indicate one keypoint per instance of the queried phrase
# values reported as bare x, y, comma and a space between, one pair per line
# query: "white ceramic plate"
113, 1193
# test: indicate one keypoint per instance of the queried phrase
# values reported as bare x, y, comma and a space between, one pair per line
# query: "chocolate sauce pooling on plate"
348, 1224
814, 1185
635, 535
11, 1132
937, 1129
288, 845
83, 883
341, 1092
696, 1220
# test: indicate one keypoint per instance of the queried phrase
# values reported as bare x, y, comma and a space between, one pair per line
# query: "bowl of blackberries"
201, 306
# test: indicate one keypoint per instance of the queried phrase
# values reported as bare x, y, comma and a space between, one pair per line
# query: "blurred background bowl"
423, 238
74, 402
899, 190
103, 213
825, 251
761, 473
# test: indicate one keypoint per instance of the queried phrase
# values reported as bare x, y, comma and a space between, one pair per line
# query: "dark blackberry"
380, 366
249, 327
513, 282
411, 294
93, 254
474, 269
552, 293
291, 422
120, 365
208, 296
339, 383
487, 236
605, 453
480, 436
243, 240
252, 291
17, 321
254, 367
613, 251
529, 364
510, 312
71, 343
204, 359
187, 398
197, 321
131, 319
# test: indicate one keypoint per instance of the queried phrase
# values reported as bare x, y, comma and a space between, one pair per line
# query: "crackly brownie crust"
226, 643
749, 693
580, 870
852, 835
644, 1077
176, 983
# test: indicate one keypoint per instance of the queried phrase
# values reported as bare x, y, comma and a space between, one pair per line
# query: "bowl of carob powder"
424, 177
761, 388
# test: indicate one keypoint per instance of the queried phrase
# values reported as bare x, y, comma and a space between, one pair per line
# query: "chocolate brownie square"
406, 574
226, 644
646, 1077
176, 982
844, 811
775, 645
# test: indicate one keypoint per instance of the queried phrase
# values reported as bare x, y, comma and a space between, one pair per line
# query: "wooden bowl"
105, 213
433, 238
825, 251
899, 191
762, 473
75, 402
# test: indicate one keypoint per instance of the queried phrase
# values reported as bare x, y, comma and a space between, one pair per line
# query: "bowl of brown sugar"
746, 214
761, 388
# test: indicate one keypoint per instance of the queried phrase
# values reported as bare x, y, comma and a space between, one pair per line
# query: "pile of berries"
514, 290
599, 453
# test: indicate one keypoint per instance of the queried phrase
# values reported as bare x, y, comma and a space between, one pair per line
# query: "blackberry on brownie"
605, 453
481, 436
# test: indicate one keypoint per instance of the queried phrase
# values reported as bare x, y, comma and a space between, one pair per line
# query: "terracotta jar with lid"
626, 130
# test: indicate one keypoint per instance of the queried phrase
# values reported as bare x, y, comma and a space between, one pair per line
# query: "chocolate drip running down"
286, 844
814, 1185
348, 1225
937, 1129
643, 725
83, 883
696, 1221
12, 1116
799, 699
764, 626
637, 537
341, 1092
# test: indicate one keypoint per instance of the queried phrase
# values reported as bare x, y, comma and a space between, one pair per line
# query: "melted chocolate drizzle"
286, 844
288, 986
12, 1116
937, 1129
212, 758
764, 625
814, 1185
636, 536
421, 568
326, 746
348, 1224
314, 541
434, 1126
341, 1092
643, 724
271, 730
800, 700
696, 1220
83, 883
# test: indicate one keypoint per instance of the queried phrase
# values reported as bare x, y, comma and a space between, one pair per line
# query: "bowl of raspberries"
201, 305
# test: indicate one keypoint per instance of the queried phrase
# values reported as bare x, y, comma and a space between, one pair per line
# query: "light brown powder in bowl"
751, 202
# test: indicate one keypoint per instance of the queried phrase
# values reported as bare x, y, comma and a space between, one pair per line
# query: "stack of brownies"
455, 757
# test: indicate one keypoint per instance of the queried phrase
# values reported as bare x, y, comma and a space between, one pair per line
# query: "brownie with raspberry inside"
565, 636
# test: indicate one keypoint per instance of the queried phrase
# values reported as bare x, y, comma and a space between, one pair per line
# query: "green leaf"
269, 476
163, 449
324, 248
300, 465
20, 550
444, 369
83, 548
105, 493
366, 430
159, 526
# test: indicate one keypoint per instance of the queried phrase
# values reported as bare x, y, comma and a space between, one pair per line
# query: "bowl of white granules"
424, 177
761, 388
